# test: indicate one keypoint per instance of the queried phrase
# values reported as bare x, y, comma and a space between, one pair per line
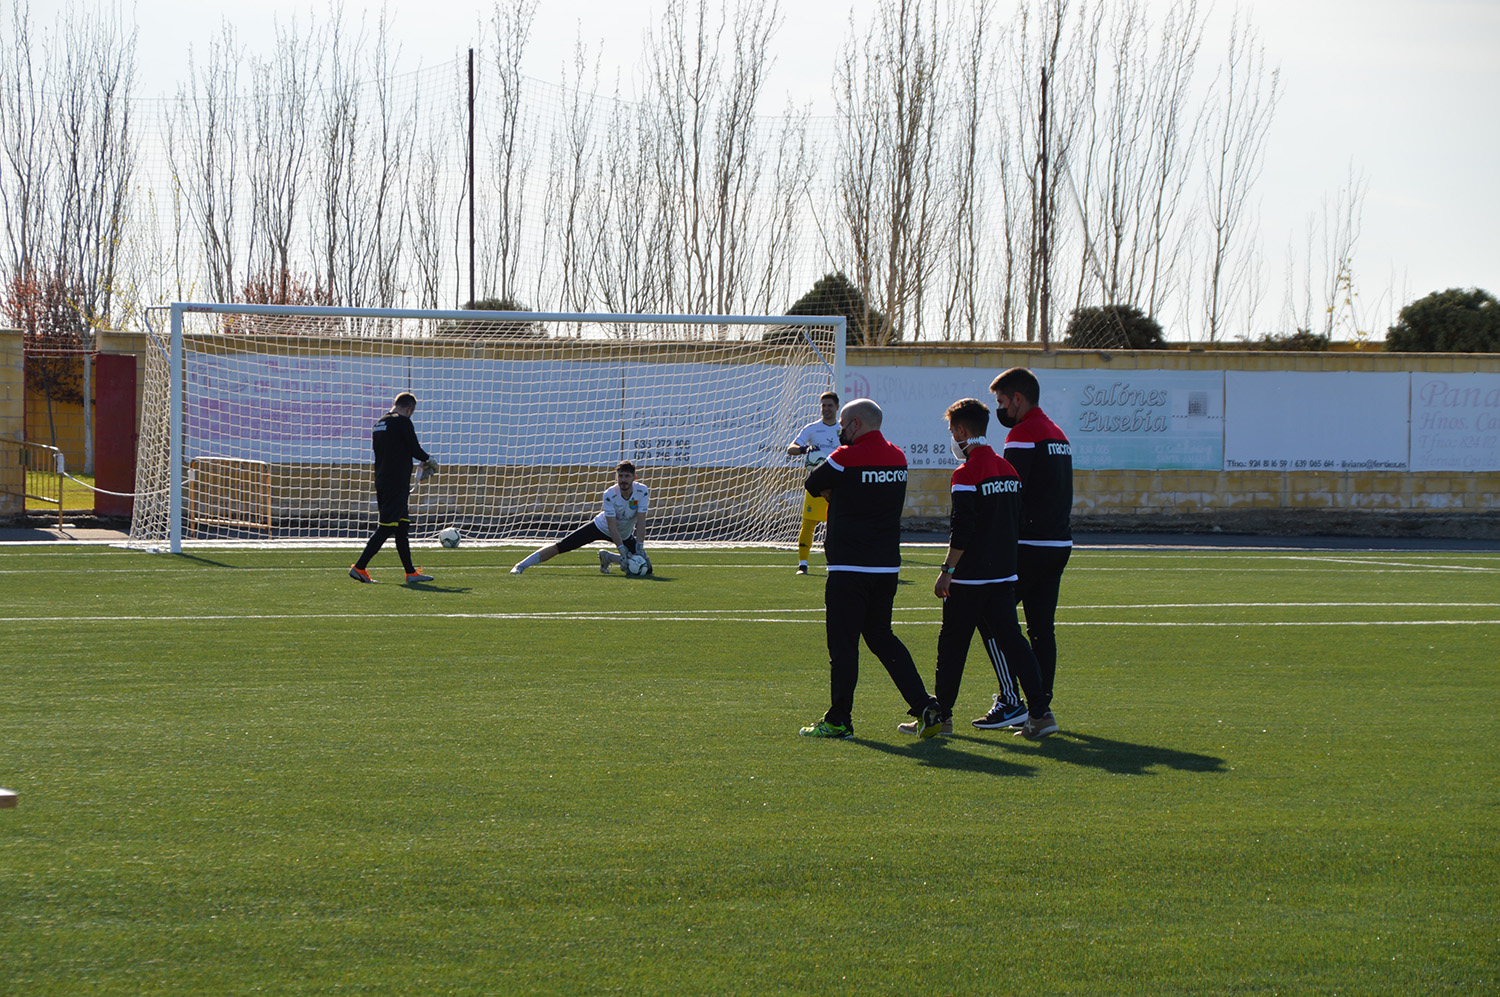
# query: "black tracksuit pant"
1041, 570
858, 604
990, 609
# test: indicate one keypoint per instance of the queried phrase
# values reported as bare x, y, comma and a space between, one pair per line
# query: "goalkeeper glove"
624, 552
430, 468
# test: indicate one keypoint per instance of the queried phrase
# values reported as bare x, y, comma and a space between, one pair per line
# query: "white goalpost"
256, 420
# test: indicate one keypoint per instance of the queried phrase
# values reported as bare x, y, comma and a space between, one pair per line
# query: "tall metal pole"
1046, 309
473, 296
174, 434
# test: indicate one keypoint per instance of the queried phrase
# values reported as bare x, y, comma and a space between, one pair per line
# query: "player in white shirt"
622, 522
814, 443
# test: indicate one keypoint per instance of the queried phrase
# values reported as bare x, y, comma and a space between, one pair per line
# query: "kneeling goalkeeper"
394, 440
622, 522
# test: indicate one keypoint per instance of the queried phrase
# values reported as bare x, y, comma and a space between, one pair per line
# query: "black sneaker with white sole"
1002, 715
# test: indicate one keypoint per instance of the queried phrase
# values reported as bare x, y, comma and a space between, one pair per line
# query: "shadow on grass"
941, 753
199, 559
1119, 757
436, 589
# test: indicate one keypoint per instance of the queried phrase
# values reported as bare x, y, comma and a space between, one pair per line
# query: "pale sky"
1406, 92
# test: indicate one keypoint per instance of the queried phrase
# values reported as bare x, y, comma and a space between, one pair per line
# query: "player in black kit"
1043, 457
864, 482
394, 441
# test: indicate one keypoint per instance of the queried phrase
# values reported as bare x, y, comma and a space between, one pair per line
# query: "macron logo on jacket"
867, 482
1043, 457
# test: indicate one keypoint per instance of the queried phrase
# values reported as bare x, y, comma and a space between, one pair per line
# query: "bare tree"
574, 167
363, 167
779, 228
1233, 154
685, 74
1135, 154
961, 310
1043, 196
889, 93
282, 90
203, 150
24, 143
1319, 285
94, 144
709, 158
511, 146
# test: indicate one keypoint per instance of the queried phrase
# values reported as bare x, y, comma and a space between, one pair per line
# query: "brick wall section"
1191, 494
64, 430
12, 423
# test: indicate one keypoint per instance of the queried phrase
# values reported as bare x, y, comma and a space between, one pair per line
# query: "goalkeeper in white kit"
622, 522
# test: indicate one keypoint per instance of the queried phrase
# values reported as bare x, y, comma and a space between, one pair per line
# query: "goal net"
526, 413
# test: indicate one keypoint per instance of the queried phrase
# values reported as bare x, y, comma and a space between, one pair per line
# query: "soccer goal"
527, 414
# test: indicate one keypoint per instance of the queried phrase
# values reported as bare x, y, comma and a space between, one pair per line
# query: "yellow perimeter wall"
12, 424
1104, 494
1253, 498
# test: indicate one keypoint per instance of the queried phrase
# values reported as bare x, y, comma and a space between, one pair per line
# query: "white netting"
526, 416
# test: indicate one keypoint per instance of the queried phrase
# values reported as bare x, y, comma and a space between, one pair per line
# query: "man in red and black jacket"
1043, 457
977, 579
864, 482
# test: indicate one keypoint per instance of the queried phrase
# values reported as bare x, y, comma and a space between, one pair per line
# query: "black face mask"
1004, 419
844, 438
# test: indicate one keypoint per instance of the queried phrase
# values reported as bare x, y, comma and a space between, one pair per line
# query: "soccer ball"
637, 565
450, 537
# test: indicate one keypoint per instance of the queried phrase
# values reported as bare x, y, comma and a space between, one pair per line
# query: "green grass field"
75, 496
241, 772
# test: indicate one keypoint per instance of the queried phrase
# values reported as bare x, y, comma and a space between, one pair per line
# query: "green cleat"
825, 729
930, 723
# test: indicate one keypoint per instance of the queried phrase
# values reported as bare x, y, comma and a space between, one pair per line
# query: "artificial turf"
241, 772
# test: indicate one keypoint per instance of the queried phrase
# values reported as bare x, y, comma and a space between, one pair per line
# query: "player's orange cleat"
360, 575
418, 576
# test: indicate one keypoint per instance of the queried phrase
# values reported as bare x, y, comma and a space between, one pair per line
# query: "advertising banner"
1315, 421
319, 409
1455, 422
1136, 419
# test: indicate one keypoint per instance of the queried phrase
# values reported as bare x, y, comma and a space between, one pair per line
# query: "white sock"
800, 564
534, 558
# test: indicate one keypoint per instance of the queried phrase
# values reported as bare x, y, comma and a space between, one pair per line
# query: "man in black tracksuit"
394, 440
1043, 457
864, 482
977, 579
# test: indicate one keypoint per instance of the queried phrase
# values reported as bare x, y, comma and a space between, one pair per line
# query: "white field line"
1369, 567
710, 616
1376, 567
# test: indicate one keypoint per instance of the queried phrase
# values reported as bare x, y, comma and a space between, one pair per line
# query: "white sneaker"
604, 562
517, 570
914, 727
